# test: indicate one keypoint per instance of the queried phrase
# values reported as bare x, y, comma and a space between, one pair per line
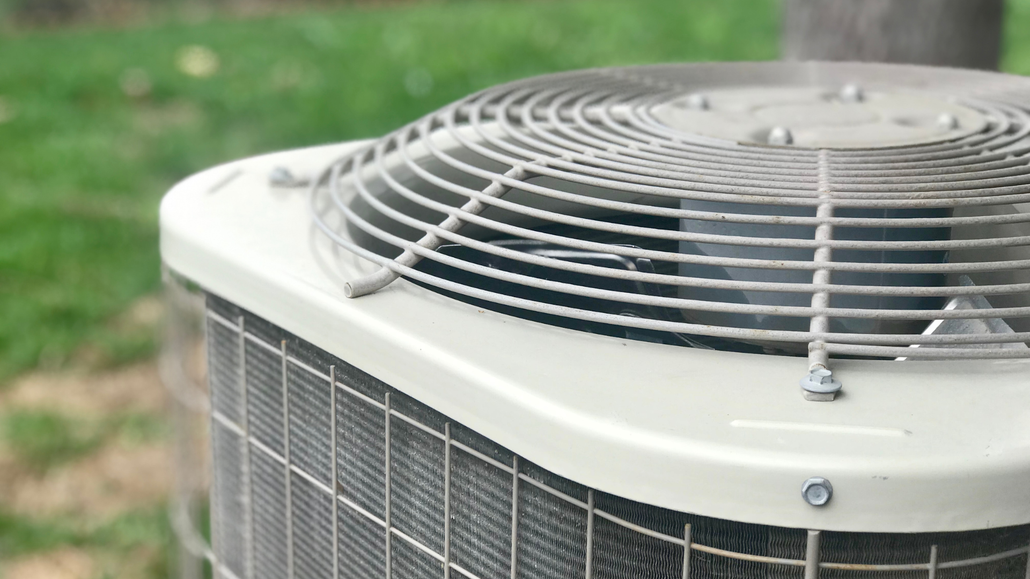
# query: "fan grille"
355, 479
832, 252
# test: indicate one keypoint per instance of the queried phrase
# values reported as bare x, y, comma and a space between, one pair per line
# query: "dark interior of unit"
606, 260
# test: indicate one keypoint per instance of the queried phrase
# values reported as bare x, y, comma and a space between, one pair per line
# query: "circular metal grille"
565, 198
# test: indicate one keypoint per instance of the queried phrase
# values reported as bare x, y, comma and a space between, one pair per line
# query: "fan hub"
821, 118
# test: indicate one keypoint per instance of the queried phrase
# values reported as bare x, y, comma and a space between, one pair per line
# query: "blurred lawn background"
98, 120
95, 124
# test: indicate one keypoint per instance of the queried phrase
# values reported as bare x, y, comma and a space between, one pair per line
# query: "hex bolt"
947, 121
817, 491
820, 385
852, 93
780, 136
281, 177
698, 102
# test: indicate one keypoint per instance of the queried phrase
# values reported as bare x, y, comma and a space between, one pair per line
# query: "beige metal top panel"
909, 446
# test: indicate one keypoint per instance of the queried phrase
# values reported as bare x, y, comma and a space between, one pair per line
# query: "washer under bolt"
698, 101
852, 93
817, 491
780, 136
820, 385
947, 121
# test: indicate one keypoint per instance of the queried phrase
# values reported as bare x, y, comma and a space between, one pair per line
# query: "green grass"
1016, 46
43, 439
144, 529
83, 165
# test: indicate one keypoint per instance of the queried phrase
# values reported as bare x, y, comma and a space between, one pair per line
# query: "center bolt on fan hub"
817, 491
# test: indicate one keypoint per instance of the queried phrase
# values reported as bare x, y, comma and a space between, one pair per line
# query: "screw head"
820, 385
281, 177
780, 136
947, 121
817, 491
852, 93
698, 101
821, 376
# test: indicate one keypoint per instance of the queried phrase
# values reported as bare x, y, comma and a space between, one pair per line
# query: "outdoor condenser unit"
687, 321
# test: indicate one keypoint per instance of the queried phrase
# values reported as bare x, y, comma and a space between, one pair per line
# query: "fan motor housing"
696, 433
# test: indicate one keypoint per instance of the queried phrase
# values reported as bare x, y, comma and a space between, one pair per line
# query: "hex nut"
947, 121
281, 177
852, 93
817, 491
698, 101
780, 136
819, 385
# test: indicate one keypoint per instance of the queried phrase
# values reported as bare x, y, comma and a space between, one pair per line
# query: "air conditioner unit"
686, 321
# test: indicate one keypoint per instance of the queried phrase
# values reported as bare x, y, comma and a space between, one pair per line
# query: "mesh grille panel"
310, 426
269, 492
224, 376
264, 396
1008, 568
229, 508
412, 563
552, 536
361, 453
622, 553
260, 529
481, 524
312, 530
417, 484
362, 546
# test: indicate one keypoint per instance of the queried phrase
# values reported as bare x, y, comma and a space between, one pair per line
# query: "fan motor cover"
621, 276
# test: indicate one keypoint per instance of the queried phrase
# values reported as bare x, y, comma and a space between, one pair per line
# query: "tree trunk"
961, 33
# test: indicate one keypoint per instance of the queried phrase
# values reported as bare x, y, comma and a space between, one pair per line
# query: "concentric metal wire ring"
594, 129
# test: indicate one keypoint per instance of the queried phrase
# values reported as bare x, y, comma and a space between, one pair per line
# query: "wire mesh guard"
615, 201
321, 471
